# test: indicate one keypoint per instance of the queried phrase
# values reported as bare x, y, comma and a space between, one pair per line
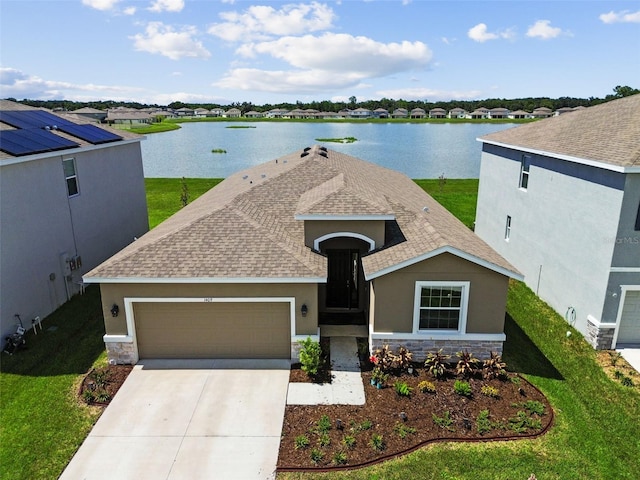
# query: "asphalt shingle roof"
245, 227
607, 133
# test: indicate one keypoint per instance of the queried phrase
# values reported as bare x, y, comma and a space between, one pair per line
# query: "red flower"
373, 359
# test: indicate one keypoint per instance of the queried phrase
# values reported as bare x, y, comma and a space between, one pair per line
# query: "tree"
353, 100
625, 91
184, 195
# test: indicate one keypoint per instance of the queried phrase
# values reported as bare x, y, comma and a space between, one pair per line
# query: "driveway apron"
189, 419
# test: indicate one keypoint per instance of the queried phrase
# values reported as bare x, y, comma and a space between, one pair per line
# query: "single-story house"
418, 113
259, 262
542, 112
437, 113
233, 113
519, 114
361, 112
91, 113
381, 113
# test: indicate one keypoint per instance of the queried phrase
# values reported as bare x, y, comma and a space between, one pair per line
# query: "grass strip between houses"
596, 434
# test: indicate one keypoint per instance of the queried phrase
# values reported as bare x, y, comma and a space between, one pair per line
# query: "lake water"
418, 150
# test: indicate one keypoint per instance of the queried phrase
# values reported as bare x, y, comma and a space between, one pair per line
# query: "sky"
270, 52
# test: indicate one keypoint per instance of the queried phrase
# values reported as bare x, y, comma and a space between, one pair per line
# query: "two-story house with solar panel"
71, 195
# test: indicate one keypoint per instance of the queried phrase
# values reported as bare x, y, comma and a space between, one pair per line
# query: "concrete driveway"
210, 419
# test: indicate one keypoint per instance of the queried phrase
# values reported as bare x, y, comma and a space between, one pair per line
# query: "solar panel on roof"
32, 140
89, 133
31, 119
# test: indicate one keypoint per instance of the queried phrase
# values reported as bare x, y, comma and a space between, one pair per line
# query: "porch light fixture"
115, 310
304, 310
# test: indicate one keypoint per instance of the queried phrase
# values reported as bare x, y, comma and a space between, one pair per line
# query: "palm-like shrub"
437, 364
494, 367
467, 363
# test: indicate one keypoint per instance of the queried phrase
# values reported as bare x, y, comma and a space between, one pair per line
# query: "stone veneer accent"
420, 348
600, 335
121, 353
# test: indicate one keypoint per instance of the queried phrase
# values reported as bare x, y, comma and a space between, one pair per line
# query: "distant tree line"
527, 104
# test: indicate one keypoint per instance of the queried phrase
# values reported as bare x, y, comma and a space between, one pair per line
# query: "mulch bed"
383, 412
100, 385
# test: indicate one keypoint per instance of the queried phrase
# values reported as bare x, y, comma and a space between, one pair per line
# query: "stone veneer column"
600, 335
121, 353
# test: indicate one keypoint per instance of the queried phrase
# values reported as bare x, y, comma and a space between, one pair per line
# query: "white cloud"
17, 84
623, 16
344, 54
129, 11
167, 6
324, 63
428, 94
101, 4
162, 39
543, 29
286, 81
479, 33
260, 22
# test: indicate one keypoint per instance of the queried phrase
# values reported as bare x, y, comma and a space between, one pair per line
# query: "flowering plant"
373, 359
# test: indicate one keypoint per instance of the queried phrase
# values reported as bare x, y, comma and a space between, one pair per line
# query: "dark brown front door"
342, 284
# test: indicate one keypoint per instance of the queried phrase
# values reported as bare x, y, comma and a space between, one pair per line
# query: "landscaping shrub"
310, 356
436, 364
462, 388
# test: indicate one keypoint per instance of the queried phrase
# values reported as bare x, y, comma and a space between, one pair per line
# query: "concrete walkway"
346, 386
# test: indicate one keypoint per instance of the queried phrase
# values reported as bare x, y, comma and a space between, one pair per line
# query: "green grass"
457, 196
152, 128
163, 195
41, 422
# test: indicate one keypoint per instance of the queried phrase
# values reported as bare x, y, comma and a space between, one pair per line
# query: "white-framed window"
440, 307
507, 228
525, 165
69, 167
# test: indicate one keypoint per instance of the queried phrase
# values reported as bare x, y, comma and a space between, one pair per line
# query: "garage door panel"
629, 331
213, 330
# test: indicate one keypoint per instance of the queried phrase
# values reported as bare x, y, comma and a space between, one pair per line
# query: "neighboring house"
418, 113
458, 113
437, 113
479, 114
202, 113
562, 110
91, 113
519, 114
233, 113
184, 112
400, 113
499, 113
381, 113
560, 199
542, 112
254, 114
70, 197
217, 112
361, 112
263, 259
129, 117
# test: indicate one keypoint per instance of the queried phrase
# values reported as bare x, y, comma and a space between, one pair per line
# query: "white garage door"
629, 331
213, 330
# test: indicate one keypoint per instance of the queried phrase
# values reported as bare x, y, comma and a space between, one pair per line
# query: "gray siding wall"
40, 222
563, 226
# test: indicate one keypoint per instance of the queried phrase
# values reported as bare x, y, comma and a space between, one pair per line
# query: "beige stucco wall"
393, 301
373, 229
304, 293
